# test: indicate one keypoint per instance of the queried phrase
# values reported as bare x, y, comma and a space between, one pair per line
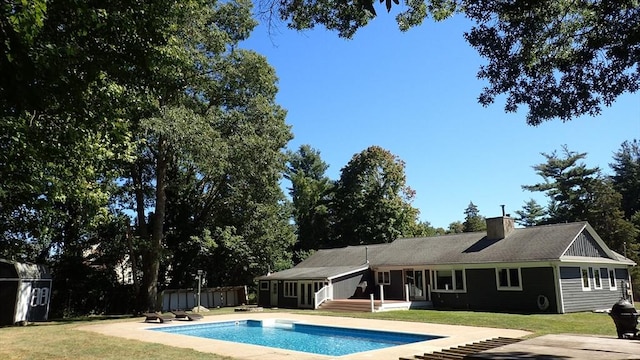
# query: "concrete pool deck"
455, 336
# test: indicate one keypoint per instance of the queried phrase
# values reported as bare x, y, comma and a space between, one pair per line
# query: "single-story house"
557, 268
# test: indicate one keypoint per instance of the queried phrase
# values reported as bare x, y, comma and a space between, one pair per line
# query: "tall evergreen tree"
531, 214
473, 221
568, 183
578, 193
310, 192
626, 176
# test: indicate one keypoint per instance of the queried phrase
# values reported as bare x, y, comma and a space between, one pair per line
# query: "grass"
62, 340
578, 323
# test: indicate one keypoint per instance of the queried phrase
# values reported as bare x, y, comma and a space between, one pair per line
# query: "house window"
384, 278
597, 281
509, 279
449, 280
612, 279
264, 285
586, 279
290, 289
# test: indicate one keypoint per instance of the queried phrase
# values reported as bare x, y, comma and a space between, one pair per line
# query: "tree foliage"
579, 193
311, 193
145, 111
559, 59
626, 176
532, 214
372, 200
473, 221
455, 227
213, 122
424, 229
568, 183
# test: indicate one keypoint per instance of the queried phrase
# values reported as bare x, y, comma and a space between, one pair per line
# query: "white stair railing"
321, 296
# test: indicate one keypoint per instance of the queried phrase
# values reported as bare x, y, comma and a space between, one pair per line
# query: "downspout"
558, 285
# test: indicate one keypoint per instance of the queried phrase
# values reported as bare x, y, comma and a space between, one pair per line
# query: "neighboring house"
553, 268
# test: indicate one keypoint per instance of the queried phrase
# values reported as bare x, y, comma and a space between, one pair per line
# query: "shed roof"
15, 270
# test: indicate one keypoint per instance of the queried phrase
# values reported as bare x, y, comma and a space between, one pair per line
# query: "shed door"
274, 293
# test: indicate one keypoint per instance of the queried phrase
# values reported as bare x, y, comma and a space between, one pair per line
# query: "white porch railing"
322, 295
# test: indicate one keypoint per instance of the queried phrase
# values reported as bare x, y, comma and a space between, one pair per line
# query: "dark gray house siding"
264, 295
482, 292
538, 290
576, 299
395, 290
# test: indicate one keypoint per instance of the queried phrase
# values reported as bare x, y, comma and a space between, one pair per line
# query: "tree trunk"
133, 260
151, 257
142, 232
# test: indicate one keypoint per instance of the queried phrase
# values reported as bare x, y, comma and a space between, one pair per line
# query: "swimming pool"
293, 335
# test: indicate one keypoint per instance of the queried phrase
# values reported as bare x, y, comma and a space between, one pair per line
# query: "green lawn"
61, 339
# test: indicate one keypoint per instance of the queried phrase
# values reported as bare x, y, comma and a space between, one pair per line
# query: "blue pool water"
317, 339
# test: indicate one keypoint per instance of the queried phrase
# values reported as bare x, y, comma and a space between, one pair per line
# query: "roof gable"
586, 245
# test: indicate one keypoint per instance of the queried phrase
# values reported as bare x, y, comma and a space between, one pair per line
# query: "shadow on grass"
71, 320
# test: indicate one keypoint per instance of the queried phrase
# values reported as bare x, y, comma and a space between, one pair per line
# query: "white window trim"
289, 287
453, 280
612, 284
588, 288
388, 277
595, 283
509, 287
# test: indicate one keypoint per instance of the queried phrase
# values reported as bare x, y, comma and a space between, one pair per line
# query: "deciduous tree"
559, 59
211, 120
455, 227
372, 200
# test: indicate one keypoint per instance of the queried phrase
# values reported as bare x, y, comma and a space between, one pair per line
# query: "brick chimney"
499, 227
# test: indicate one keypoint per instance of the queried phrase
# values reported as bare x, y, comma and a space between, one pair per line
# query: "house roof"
320, 273
347, 256
330, 263
538, 243
532, 244
528, 244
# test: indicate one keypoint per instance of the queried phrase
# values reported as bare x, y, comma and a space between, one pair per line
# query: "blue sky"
415, 94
